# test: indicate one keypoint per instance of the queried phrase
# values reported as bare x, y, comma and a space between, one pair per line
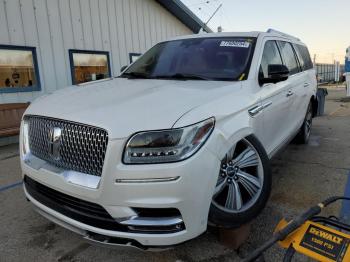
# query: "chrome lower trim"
152, 221
70, 176
148, 180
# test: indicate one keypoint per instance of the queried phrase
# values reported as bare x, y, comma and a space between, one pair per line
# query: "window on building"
89, 66
133, 57
289, 58
18, 69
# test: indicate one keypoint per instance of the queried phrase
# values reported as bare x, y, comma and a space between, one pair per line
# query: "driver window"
271, 56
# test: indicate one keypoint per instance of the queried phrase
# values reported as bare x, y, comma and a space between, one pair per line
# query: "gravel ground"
302, 176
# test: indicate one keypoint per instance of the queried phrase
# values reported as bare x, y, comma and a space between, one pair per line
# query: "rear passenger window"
271, 56
304, 57
289, 58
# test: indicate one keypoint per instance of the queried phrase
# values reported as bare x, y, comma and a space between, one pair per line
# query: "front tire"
243, 185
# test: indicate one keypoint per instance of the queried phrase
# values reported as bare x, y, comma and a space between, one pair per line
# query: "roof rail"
282, 34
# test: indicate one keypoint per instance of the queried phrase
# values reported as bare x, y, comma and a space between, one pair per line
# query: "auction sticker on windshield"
243, 44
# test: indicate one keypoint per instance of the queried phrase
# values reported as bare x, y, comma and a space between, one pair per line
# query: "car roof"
270, 33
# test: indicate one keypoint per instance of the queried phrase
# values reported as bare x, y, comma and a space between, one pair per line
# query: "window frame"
36, 87
133, 54
83, 51
297, 51
295, 55
263, 49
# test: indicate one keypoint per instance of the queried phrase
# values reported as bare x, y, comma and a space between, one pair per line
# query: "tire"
304, 133
246, 161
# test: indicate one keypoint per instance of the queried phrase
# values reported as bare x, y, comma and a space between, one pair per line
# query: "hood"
125, 106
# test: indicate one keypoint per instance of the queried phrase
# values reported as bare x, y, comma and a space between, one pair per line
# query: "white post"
336, 71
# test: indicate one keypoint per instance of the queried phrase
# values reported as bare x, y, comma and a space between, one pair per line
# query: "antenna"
205, 24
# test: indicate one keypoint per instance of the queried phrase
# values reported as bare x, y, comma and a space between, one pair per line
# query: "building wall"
55, 26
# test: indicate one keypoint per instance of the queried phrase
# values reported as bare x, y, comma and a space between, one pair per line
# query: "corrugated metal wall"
55, 26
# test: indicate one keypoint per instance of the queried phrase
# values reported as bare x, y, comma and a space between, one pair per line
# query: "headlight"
170, 145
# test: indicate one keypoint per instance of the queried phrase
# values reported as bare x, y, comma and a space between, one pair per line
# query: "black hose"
288, 256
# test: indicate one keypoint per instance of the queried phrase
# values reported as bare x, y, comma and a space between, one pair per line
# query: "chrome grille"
81, 147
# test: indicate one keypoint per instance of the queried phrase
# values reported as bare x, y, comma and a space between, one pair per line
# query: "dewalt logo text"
325, 235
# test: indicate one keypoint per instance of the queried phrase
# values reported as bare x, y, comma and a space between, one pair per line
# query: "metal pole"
217, 9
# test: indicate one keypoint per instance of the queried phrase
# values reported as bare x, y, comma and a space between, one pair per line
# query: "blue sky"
324, 25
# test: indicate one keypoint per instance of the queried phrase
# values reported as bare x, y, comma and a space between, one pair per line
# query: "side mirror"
123, 68
276, 73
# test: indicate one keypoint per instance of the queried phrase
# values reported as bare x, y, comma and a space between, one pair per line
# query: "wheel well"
314, 104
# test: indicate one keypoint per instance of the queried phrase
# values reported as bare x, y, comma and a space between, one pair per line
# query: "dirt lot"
302, 175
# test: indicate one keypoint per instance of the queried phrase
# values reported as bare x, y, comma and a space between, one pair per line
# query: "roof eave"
185, 15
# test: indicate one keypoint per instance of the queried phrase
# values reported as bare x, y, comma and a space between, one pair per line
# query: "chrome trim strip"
106, 242
148, 180
151, 221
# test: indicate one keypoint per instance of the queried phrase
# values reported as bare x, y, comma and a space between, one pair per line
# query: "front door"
275, 101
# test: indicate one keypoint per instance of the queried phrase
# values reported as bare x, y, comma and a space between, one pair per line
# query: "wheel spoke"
220, 186
234, 198
308, 125
247, 158
249, 182
229, 154
238, 196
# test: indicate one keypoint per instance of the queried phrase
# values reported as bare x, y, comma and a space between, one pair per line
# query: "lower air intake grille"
83, 211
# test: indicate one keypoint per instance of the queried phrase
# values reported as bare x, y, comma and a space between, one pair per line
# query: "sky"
323, 25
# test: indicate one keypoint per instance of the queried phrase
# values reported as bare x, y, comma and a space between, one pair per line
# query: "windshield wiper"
136, 75
182, 77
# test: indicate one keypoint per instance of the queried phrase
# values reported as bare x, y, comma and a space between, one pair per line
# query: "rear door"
309, 77
295, 93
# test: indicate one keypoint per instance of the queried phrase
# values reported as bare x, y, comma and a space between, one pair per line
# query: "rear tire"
243, 186
304, 133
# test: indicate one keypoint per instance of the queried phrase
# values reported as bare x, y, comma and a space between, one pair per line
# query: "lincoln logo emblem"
55, 134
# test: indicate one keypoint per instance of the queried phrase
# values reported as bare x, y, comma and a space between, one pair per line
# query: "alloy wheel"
240, 180
308, 124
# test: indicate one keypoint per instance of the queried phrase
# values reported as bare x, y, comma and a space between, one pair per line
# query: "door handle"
267, 104
255, 110
306, 84
289, 93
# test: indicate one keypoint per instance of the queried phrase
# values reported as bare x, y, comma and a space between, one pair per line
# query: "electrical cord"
292, 226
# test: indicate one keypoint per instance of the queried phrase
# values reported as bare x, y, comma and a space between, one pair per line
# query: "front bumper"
186, 186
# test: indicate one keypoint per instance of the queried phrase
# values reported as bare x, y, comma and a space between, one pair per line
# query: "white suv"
181, 139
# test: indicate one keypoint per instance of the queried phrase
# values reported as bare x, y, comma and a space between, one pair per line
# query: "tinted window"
89, 65
209, 58
271, 56
304, 57
289, 58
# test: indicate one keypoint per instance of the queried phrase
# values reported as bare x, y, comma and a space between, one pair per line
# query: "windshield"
197, 58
